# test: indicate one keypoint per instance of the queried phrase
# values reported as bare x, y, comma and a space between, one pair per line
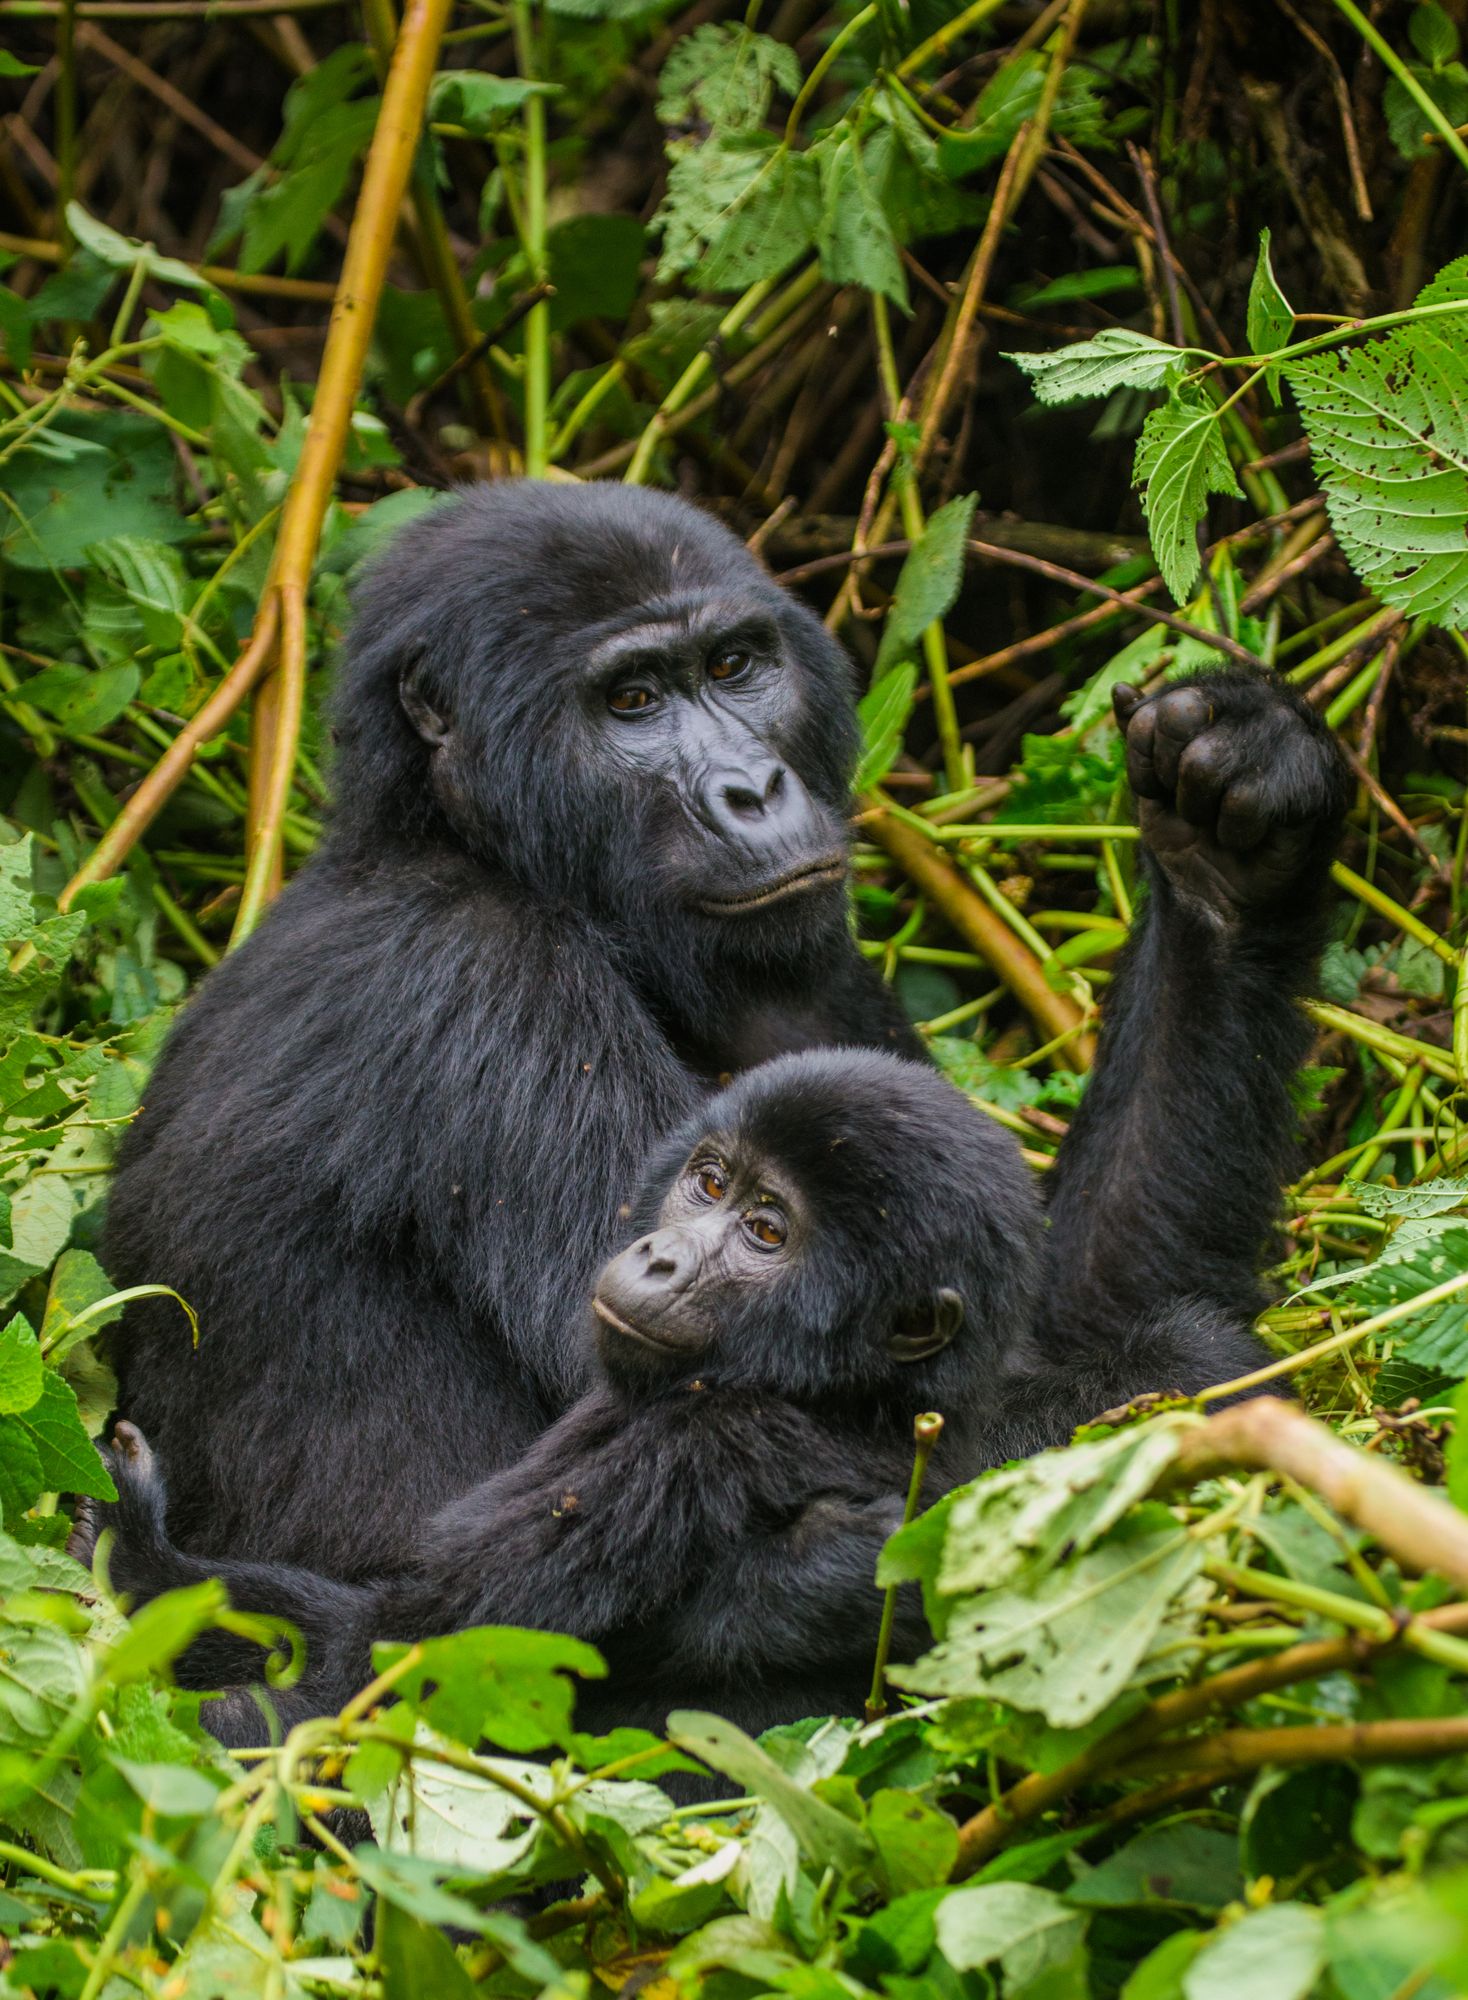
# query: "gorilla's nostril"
743, 799
776, 785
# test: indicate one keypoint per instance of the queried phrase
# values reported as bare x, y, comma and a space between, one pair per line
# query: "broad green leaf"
84, 699
1433, 32
1276, 1953
91, 475
855, 238
416, 1959
68, 1459
1026, 1929
929, 581
706, 184
772, 222
1388, 430
724, 75
478, 100
1160, 1974
1425, 1252
126, 252
1117, 358
1190, 1867
496, 1681
1181, 460
1435, 1197
21, 1367
882, 713
1066, 1643
1445, 84
916, 1844
824, 1834
22, 1480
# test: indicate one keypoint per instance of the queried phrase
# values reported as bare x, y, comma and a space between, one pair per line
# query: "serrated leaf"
1117, 358
724, 75
1445, 84
856, 241
1271, 318
1388, 430
771, 223
1433, 33
478, 100
929, 581
1068, 1642
69, 1462
1180, 461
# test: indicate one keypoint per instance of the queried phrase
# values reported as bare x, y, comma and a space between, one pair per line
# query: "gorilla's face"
699, 712
597, 690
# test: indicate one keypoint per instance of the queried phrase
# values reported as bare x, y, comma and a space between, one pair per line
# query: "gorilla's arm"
701, 1536
1165, 1189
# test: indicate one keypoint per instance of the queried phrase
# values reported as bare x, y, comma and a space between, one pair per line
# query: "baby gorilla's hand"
136, 1517
1240, 790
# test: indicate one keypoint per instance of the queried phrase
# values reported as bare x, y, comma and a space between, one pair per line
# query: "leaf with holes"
1180, 461
1118, 358
1388, 429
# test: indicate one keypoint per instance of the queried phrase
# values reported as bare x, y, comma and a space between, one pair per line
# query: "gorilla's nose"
658, 1267
760, 804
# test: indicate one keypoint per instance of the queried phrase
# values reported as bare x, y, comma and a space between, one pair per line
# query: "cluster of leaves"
143, 469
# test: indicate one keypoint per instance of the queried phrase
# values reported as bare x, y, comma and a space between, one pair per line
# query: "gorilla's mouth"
831, 868
630, 1332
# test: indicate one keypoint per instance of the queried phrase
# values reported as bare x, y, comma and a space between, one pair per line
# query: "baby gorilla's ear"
434, 727
924, 1329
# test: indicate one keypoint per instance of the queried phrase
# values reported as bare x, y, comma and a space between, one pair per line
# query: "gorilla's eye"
711, 1182
728, 663
629, 698
767, 1227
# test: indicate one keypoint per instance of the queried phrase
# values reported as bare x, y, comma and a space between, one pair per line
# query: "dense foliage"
913, 293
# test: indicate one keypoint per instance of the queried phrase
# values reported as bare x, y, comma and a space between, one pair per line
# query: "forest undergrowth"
1039, 346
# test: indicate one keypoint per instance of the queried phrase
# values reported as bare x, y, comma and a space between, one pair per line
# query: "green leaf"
1180, 461
929, 582
771, 223
496, 1681
882, 712
824, 1835
1422, 1255
856, 240
1160, 1974
416, 1959
126, 252
1433, 33
1445, 85
1388, 430
68, 1459
13, 66
1026, 1929
478, 100
21, 1367
725, 75
1117, 358
1068, 1643
916, 1844
1189, 1867
1276, 1953
1271, 318
84, 699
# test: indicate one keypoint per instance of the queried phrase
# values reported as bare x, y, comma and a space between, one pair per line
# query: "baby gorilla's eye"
711, 1183
728, 663
767, 1227
629, 698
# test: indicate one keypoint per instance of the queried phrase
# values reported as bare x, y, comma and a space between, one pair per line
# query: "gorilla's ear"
434, 728
926, 1328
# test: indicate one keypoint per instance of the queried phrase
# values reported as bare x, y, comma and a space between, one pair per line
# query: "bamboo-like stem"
937, 879
537, 320
385, 177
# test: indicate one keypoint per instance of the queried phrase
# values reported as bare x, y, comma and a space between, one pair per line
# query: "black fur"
386, 1145
391, 1141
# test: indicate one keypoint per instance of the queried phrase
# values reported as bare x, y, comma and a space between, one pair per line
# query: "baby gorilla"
837, 1242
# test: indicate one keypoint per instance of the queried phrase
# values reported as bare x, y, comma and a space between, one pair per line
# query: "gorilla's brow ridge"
670, 622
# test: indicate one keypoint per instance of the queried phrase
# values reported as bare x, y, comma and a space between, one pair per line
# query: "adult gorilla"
588, 856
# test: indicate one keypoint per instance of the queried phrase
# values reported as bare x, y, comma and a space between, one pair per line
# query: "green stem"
537, 320
813, 82
702, 364
926, 1431
1376, 899
65, 118
1436, 117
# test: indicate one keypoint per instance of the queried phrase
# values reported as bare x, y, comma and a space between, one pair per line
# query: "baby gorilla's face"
729, 1232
